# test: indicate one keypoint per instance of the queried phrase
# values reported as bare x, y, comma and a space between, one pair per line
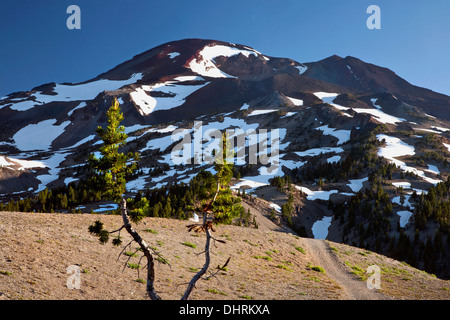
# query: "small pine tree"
109, 171
225, 206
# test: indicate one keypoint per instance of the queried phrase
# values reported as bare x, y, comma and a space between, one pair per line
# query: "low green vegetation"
188, 244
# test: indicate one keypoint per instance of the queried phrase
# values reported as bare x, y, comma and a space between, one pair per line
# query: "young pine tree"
225, 206
109, 171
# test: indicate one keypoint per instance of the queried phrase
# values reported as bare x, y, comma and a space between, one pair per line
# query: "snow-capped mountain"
197, 79
194, 79
319, 112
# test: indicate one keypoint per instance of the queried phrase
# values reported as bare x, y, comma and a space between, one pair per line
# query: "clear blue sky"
36, 46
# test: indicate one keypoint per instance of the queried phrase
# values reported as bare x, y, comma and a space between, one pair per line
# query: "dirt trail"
321, 254
352, 289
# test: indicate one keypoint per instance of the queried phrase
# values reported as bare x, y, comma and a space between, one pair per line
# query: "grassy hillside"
265, 264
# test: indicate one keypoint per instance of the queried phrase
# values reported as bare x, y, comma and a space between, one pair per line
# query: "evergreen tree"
110, 170
225, 206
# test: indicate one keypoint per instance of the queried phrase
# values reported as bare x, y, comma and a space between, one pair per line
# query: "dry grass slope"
36, 250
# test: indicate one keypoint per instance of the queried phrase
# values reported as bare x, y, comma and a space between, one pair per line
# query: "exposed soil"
37, 249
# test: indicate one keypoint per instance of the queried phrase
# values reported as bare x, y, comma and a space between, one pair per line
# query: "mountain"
361, 146
360, 77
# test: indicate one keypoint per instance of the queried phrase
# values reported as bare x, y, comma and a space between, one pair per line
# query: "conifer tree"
224, 205
109, 171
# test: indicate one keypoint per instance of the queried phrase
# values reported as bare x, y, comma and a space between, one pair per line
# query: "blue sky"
37, 47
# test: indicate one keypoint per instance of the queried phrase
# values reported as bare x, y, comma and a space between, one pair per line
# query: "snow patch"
433, 169
317, 151
23, 164
173, 54
245, 106
107, 207
173, 93
406, 202
334, 159
441, 128
320, 228
289, 114
356, 185
296, 102
447, 146
316, 195
80, 106
275, 206
86, 91
342, 135
53, 163
205, 65
380, 115
39, 136
374, 104
404, 217
403, 184
259, 112
396, 148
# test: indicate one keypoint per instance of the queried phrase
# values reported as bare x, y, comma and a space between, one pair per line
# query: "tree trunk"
145, 248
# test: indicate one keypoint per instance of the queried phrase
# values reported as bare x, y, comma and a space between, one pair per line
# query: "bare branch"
118, 230
124, 248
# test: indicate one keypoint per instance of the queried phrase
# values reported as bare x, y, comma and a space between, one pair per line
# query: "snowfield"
86, 91
23, 164
205, 64
80, 106
380, 116
404, 185
39, 136
447, 146
356, 185
74, 92
406, 202
275, 206
396, 148
296, 102
326, 97
249, 184
342, 135
53, 163
315, 195
320, 228
374, 104
173, 94
317, 151
334, 159
173, 54
259, 112
404, 217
